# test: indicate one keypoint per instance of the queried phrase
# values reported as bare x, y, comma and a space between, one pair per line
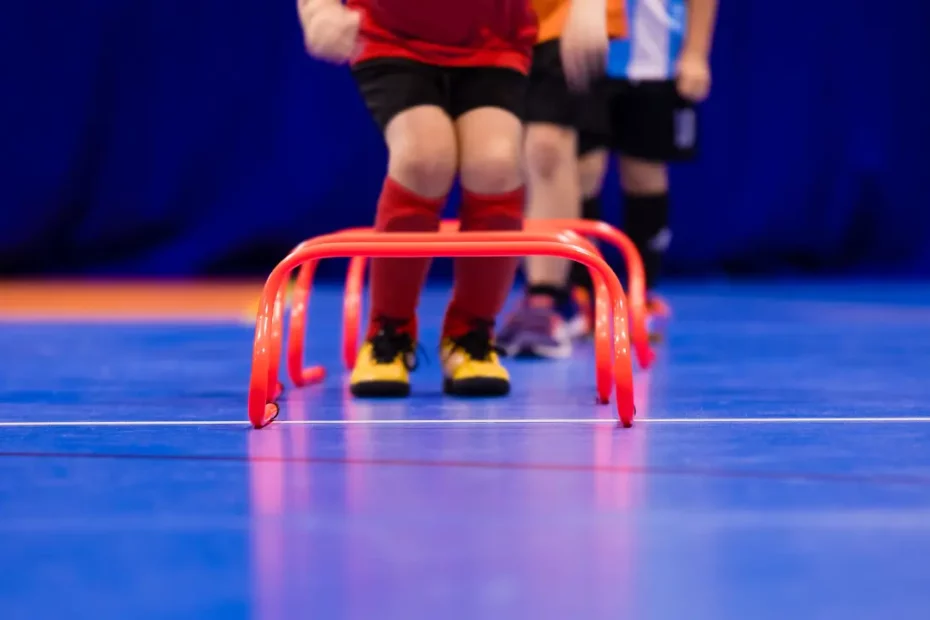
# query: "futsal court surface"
779, 468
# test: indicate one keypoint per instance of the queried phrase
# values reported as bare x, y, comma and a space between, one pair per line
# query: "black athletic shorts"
644, 119
549, 100
649, 120
391, 85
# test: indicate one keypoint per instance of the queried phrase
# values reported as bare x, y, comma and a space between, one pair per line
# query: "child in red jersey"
446, 83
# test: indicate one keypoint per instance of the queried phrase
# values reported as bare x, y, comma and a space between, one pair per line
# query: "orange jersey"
553, 13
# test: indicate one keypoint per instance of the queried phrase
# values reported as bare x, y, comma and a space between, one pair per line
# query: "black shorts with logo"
643, 119
649, 120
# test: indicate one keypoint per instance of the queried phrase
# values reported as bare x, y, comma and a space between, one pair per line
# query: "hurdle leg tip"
271, 414
626, 419
314, 374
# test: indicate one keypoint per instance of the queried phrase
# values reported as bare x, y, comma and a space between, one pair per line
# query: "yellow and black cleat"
471, 366
384, 362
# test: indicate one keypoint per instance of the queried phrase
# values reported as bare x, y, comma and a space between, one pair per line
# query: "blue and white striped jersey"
657, 29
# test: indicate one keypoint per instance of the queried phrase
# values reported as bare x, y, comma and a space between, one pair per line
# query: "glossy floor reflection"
740, 494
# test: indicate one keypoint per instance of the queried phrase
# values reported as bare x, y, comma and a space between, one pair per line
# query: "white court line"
463, 422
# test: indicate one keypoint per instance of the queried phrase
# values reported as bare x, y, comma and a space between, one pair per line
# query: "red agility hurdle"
355, 277
610, 300
303, 285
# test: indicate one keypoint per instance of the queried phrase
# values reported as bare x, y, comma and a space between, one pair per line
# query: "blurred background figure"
646, 111
563, 123
172, 140
658, 75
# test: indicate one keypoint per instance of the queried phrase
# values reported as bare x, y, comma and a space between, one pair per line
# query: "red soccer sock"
483, 284
396, 282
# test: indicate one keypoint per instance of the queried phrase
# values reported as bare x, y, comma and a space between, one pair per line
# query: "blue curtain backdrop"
179, 137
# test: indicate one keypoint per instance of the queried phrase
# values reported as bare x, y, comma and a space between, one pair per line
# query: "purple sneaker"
537, 330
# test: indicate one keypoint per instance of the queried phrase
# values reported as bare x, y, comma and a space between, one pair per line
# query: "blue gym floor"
780, 468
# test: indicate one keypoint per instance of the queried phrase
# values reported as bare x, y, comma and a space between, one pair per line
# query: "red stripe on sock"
483, 284
396, 282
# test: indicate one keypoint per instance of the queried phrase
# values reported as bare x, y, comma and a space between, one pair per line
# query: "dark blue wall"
179, 137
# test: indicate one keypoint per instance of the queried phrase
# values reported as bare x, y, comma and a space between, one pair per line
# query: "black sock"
647, 225
591, 208
579, 274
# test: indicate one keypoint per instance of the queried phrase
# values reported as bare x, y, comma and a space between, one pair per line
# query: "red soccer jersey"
453, 33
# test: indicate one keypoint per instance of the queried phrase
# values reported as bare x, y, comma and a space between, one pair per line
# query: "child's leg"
645, 197
592, 166
557, 119
654, 125
421, 168
490, 133
405, 99
553, 192
492, 199
563, 129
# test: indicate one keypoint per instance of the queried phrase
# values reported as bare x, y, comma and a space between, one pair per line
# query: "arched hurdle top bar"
364, 242
399, 243
587, 228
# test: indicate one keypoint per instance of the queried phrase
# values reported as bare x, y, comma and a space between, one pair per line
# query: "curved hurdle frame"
355, 283
264, 385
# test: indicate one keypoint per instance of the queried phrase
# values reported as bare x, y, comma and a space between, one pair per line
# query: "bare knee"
492, 167
422, 151
428, 172
643, 178
549, 150
490, 141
